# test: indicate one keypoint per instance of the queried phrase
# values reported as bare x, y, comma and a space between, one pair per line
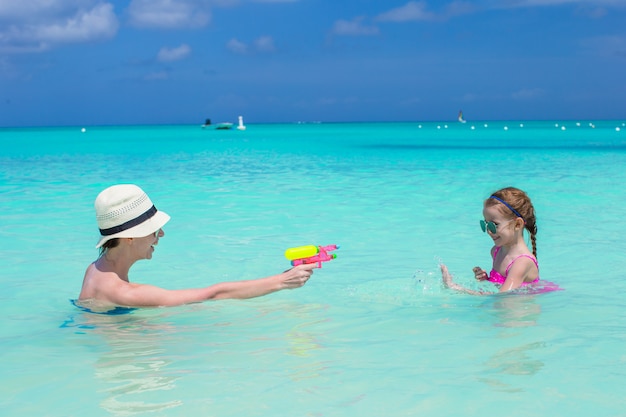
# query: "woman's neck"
113, 260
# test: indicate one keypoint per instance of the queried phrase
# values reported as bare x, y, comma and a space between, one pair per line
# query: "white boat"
219, 126
224, 126
461, 119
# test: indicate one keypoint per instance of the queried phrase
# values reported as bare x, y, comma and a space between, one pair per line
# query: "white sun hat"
125, 210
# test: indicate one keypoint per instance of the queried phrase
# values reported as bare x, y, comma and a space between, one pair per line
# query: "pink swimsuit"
496, 277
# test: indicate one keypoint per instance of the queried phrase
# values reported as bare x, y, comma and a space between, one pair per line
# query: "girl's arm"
522, 269
447, 281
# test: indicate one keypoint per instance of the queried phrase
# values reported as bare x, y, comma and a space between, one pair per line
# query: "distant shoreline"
450, 122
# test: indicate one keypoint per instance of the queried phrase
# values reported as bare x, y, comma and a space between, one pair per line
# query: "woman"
130, 228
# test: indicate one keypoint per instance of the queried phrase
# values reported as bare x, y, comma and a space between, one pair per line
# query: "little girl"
507, 212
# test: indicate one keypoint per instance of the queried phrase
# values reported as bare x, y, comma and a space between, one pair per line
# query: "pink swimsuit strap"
496, 277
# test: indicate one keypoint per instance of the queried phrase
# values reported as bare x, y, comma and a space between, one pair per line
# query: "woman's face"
144, 246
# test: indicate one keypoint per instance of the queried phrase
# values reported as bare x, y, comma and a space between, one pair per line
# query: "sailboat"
461, 119
241, 125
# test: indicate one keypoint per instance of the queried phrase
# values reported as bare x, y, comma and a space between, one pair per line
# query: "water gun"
310, 254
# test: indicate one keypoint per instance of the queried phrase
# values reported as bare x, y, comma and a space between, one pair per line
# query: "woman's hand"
480, 274
297, 276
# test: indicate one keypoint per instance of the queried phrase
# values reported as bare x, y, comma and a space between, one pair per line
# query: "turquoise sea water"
373, 333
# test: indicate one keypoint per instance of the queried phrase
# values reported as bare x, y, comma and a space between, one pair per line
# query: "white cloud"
412, 11
55, 23
275, 1
527, 94
34, 10
354, 27
237, 46
265, 44
594, 5
595, 13
457, 8
469, 97
607, 46
529, 3
262, 44
169, 14
174, 54
100, 22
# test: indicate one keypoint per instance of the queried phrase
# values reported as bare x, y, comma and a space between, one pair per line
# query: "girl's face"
506, 232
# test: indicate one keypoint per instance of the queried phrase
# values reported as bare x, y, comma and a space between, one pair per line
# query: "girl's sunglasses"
491, 226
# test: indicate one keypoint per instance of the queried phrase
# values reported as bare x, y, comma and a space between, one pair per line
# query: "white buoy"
83, 130
617, 129
472, 127
562, 127
506, 128
241, 126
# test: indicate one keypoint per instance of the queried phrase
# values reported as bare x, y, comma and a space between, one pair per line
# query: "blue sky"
91, 62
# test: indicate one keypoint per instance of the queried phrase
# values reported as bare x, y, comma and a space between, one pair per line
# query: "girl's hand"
445, 275
480, 274
447, 281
